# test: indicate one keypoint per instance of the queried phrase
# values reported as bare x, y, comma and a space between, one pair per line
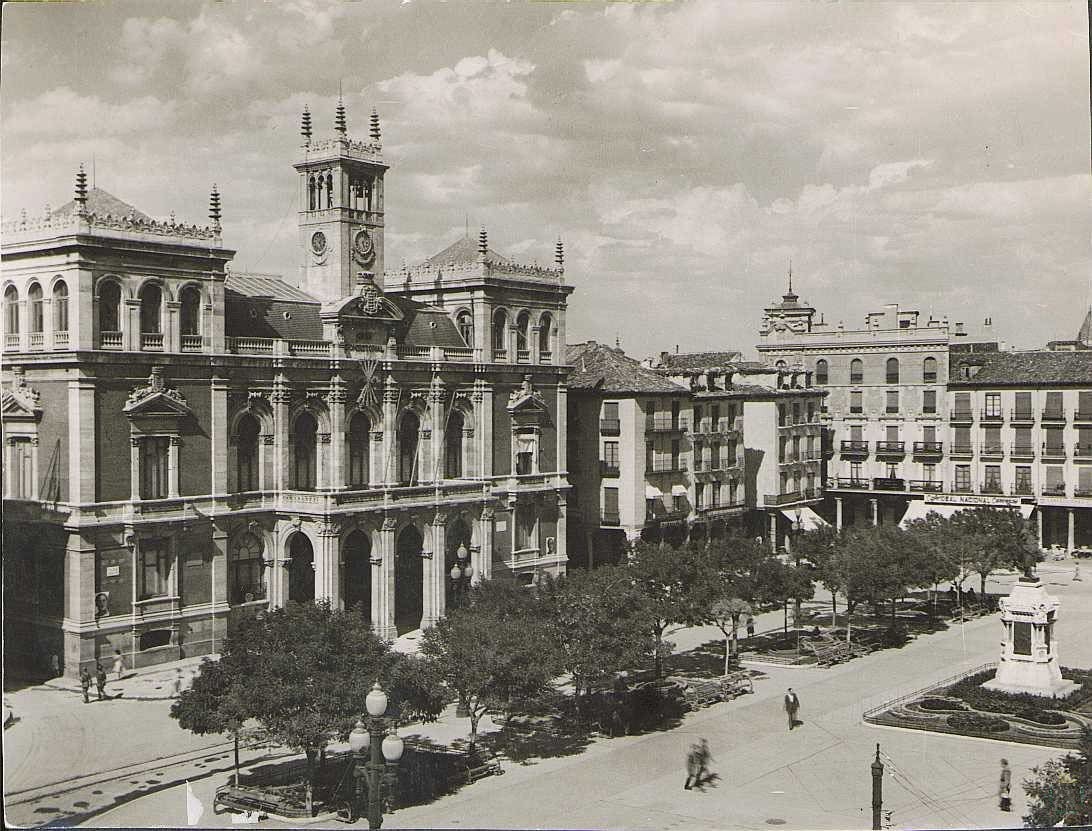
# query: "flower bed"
941, 704
977, 723
1034, 708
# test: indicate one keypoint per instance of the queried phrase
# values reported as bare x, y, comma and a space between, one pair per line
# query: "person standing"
55, 664
100, 681
1004, 788
750, 627
119, 664
176, 685
85, 683
693, 766
792, 707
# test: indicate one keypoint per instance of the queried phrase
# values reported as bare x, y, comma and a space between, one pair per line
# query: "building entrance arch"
409, 595
357, 554
301, 571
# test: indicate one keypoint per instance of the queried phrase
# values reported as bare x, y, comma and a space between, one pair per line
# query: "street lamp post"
373, 772
462, 574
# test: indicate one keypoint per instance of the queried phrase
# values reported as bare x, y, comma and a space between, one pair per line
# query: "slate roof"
428, 325
599, 367
699, 360
1039, 368
462, 252
102, 202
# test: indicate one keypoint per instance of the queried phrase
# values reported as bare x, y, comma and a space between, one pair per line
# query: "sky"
930, 154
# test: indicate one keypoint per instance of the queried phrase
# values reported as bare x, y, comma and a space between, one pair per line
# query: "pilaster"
484, 565
81, 441
433, 571
218, 430
383, 581
327, 565
436, 401
339, 444
390, 429
79, 600
279, 401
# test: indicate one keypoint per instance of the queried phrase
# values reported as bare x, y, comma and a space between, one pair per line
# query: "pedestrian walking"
119, 664
176, 685
704, 758
1005, 786
792, 707
100, 681
55, 664
1077, 572
85, 683
693, 766
750, 627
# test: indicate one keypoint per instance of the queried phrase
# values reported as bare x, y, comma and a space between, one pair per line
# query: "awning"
804, 518
653, 492
678, 490
919, 509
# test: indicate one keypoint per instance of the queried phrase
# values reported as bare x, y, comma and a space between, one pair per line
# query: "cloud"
64, 113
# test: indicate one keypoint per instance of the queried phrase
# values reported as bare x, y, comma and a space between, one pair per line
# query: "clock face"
363, 247
318, 242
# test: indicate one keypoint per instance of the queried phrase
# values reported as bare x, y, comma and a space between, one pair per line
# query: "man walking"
693, 766
85, 683
792, 707
1005, 787
100, 681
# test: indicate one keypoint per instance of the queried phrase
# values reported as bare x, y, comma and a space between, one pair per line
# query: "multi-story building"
886, 412
181, 441
630, 454
1021, 436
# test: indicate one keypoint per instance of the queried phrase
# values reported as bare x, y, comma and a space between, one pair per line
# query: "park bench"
230, 798
968, 610
736, 683
827, 654
699, 694
856, 649
479, 766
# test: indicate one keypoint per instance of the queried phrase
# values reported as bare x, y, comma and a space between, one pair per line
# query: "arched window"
311, 193
329, 190
453, 446
856, 371
190, 311
545, 337
60, 306
11, 311
465, 324
500, 333
37, 309
892, 370
151, 305
247, 457
246, 583
523, 323
821, 370
929, 371
359, 432
305, 436
110, 308
408, 468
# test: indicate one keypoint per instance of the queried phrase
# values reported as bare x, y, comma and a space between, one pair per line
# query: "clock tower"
790, 316
341, 208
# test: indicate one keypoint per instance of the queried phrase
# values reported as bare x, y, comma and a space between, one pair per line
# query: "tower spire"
374, 131
483, 244
81, 190
339, 120
305, 125
559, 254
790, 275
214, 207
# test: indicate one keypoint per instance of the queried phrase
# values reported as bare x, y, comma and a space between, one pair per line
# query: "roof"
427, 325
462, 252
699, 360
264, 306
1038, 368
1084, 336
103, 202
599, 367
266, 285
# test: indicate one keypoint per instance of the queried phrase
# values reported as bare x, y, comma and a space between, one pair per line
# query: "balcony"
60, 338
928, 448
545, 357
883, 484
151, 341
1082, 451
988, 416
37, 340
890, 448
610, 426
926, 486
992, 451
1054, 490
962, 489
1053, 451
776, 499
854, 448
668, 466
1022, 451
993, 488
500, 355
657, 425
1082, 492
523, 356
192, 343
609, 469
1022, 417
110, 340
961, 450
812, 455
11, 342
1052, 416
850, 483
1082, 415
667, 515
961, 415
1022, 489
611, 520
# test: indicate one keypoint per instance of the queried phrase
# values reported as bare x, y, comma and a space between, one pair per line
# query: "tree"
1001, 538
676, 583
817, 547
492, 650
726, 613
304, 671
871, 564
597, 625
1061, 789
940, 550
212, 704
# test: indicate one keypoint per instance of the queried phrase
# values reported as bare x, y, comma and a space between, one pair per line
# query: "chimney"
676, 349
663, 358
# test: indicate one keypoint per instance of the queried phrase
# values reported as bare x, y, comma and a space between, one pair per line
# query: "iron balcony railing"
988, 416
962, 450
669, 466
992, 451
888, 448
924, 448
1054, 490
926, 486
1082, 451
610, 519
1022, 416
1053, 451
1022, 451
609, 469
666, 425
851, 446
961, 415
851, 483
1053, 415
610, 426
993, 488
1022, 489
884, 484
1082, 415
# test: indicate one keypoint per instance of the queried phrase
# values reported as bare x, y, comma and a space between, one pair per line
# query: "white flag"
194, 806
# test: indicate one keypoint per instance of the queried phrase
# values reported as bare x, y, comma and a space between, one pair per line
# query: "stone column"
875, 511
172, 328
134, 468
483, 407
218, 594
435, 597
338, 437
484, 565
773, 531
79, 602
389, 472
323, 460
1071, 538
375, 458
562, 421
218, 430
174, 471
1039, 523
383, 581
328, 565
81, 441
130, 324
436, 402
837, 513
562, 541
279, 401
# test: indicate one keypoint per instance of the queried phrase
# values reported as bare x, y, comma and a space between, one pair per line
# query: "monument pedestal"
1029, 653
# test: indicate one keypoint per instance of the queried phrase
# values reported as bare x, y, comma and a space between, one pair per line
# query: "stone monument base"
1032, 678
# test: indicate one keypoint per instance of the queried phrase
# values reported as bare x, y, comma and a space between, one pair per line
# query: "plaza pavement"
817, 776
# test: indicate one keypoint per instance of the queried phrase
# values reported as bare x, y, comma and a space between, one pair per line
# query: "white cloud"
64, 113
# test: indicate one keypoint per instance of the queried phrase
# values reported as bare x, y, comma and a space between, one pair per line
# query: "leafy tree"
676, 583
726, 613
303, 672
1000, 538
597, 622
212, 704
1061, 789
939, 549
492, 650
778, 582
818, 547
871, 564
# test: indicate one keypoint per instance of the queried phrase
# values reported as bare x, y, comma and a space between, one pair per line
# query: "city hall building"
181, 440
